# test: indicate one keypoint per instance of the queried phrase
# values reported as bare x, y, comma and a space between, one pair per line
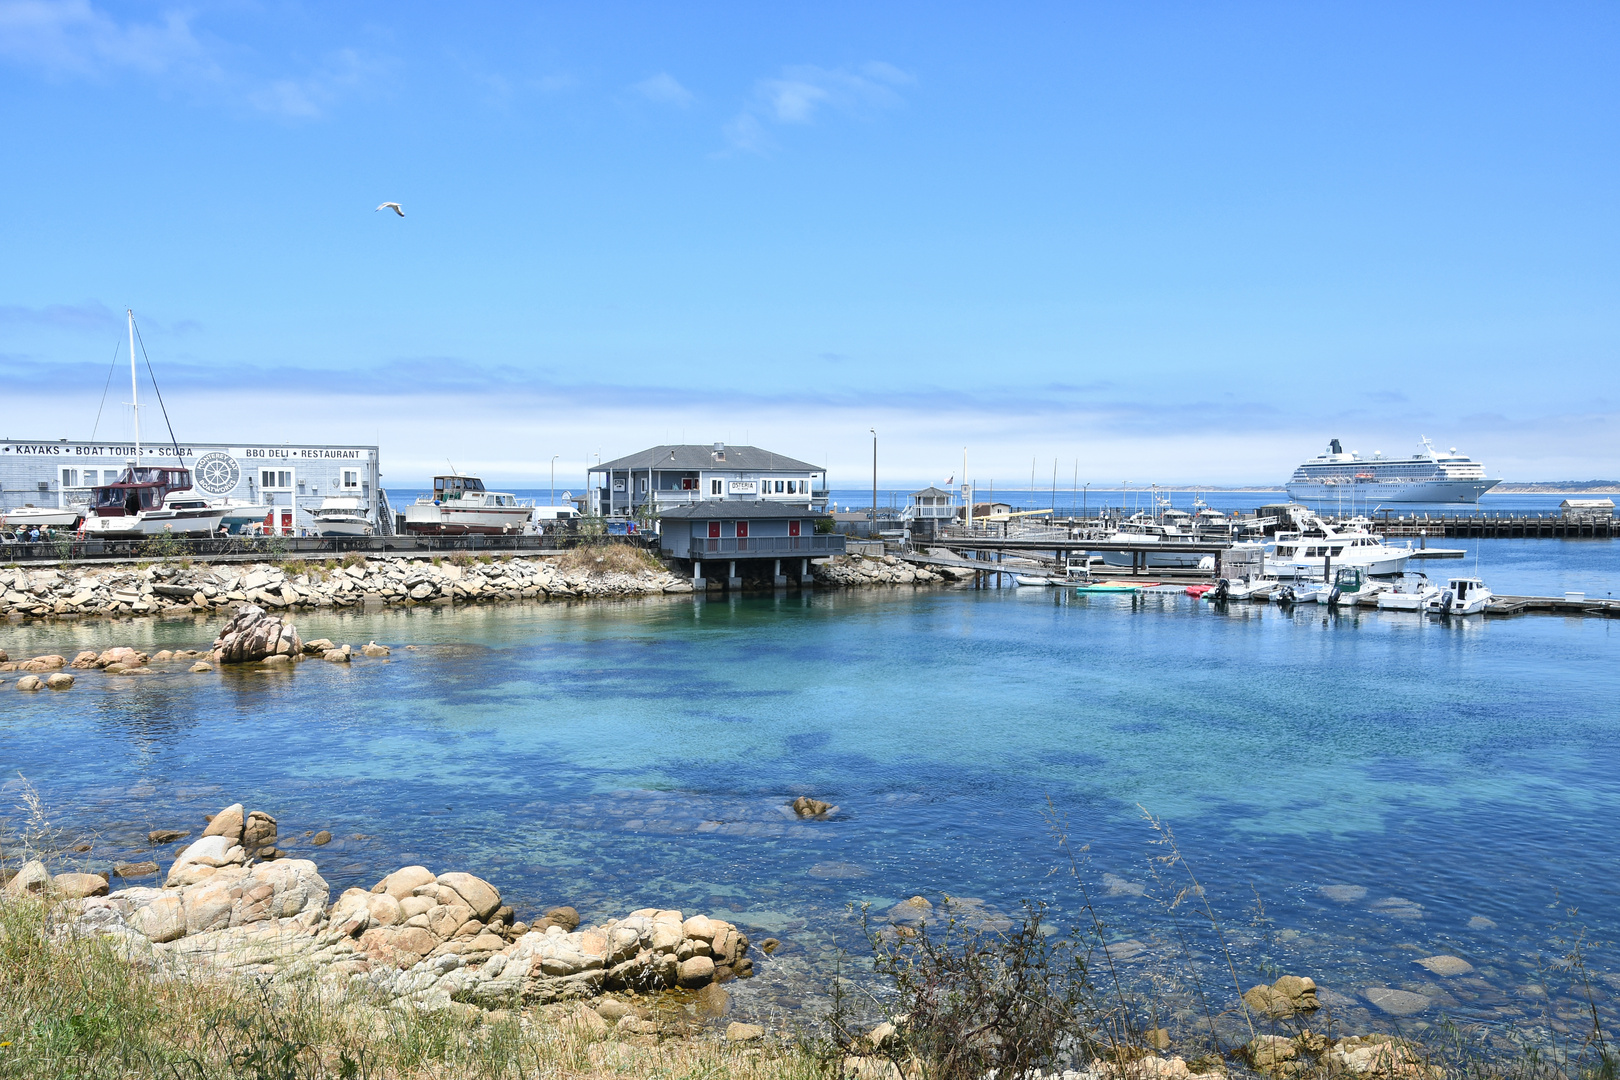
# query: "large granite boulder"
254, 635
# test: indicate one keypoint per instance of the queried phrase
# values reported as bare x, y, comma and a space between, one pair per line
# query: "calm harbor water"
1466, 775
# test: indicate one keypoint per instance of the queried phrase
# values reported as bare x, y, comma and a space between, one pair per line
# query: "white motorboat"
1461, 596
42, 517
1410, 592
460, 504
1351, 585
241, 513
1311, 590
1309, 550
150, 501
1164, 535
340, 515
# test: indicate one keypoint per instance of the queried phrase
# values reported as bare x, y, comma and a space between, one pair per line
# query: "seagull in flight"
394, 206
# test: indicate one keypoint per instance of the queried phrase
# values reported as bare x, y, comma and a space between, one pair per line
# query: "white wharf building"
294, 475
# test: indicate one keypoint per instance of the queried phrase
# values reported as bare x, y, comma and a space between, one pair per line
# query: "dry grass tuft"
609, 559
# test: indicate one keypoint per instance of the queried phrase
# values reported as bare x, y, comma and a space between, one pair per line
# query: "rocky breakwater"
231, 903
177, 589
854, 570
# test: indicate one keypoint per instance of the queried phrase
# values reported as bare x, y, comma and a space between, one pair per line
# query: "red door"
793, 528
742, 530
714, 530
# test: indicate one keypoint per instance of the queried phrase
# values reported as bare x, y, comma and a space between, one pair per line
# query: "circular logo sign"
216, 473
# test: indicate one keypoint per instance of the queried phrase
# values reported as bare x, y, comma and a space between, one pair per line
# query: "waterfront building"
297, 476
929, 509
730, 531
665, 477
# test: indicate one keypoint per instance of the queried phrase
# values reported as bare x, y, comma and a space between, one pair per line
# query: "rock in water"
1396, 1002
253, 635
32, 880
806, 807
165, 836
259, 831
228, 822
1447, 965
79, 886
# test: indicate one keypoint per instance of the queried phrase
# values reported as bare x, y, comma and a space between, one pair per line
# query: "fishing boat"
1462, 596
460, 505
149, 500
340, 515
1410, 592
1351, 585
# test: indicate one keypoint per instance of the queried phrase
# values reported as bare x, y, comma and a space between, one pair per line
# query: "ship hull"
446, 521
1392, 491
158, 523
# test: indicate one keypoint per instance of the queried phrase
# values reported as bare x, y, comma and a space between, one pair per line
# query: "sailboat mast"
134, 392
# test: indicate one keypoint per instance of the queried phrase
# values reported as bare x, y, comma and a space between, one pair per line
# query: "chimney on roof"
719, 451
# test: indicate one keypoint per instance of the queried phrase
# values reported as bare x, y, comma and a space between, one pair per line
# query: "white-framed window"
717, 487
276, 479
351, 479
70, 477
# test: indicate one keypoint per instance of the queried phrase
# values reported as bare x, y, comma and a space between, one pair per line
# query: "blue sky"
1176, 242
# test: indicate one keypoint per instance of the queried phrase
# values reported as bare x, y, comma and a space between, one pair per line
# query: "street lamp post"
554, 458
874, 481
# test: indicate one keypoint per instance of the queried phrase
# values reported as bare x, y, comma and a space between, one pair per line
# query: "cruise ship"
1431, 476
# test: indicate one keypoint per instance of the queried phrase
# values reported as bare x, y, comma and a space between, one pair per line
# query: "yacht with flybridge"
1430, 476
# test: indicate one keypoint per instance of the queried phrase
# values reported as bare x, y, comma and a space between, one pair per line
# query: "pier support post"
776, 575
804, 572
697, 575
732, 580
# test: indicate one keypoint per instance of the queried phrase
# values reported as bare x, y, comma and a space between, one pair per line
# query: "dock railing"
816, 545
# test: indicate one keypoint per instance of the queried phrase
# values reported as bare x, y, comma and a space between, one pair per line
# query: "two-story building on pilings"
722, 533
734, 508
665, 477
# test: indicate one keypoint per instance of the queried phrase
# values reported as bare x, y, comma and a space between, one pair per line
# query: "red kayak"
1198, 590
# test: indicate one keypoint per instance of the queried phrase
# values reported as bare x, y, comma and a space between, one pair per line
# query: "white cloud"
344, 72
70, 37
804, 91
664, 89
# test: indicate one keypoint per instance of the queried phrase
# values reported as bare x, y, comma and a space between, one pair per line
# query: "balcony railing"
817, 544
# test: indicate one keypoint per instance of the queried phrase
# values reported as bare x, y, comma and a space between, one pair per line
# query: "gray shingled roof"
932, 491
695, 457
727, 510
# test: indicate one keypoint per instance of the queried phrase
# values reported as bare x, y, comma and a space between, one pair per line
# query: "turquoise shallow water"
615, 755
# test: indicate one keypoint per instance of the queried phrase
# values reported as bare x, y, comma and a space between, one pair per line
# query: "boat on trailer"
461, 505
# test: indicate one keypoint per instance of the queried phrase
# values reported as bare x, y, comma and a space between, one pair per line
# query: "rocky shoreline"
182, 588
233, 904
